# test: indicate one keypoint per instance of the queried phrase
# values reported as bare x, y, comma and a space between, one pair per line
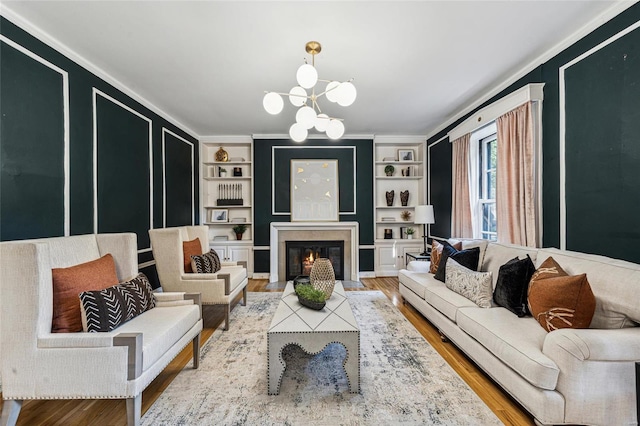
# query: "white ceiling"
207, 63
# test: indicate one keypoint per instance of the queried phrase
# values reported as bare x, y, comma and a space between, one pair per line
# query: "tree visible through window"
487, 200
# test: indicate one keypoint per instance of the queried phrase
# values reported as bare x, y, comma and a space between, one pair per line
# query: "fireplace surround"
280, 232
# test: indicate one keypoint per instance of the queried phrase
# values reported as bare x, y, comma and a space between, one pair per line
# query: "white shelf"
226, 163
227, 223
227, 178
401, 163
397, 222
394, 207
227, 207
400, 177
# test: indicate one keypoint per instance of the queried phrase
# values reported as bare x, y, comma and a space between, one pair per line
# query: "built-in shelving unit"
408, 175
227, 195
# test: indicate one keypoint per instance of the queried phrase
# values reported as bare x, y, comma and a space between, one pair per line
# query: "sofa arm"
594, 344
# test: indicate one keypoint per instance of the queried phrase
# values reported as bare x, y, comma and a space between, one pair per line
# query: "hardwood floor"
113, 412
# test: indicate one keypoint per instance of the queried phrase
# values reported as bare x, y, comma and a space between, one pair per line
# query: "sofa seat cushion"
237, 275
161, 328
414, 281
515, 341
444, 300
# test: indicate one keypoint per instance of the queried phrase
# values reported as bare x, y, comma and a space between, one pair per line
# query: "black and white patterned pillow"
106, 309
208, 263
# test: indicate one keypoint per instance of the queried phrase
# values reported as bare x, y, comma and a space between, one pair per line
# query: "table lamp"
424, 215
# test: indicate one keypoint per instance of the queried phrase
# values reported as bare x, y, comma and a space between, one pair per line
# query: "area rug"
403, 379
280, 285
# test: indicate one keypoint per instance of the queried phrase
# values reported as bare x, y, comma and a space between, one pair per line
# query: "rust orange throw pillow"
559, 300
436, 253
190, 248
69, 282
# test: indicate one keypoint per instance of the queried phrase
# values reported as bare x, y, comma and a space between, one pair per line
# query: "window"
483, 169
487, 191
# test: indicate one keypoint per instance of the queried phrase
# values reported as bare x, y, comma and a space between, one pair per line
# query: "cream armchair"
38, 364
220, 288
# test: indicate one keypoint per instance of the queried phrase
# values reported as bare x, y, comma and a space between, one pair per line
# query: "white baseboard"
367, 274
260, 276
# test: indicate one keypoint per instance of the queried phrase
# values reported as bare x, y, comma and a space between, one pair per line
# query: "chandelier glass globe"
332, 90
346, 94
297, 96
335, 129
306, 116
272, 103
322, 121
297, 132
307, 76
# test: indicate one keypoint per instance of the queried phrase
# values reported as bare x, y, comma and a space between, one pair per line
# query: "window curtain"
515, 203
461, 220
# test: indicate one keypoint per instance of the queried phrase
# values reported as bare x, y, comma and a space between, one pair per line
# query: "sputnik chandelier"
309, 114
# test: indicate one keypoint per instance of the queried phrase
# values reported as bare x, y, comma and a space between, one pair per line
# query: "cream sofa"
220, 288
567, 376
38, 364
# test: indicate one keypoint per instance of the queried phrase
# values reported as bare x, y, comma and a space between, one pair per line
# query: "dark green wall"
602, 150
273, 171
32, 177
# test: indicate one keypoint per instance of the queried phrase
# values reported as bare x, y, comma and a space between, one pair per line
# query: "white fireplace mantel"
277, 227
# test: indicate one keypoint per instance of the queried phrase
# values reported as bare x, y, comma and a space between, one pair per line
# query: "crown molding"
226, 139
313, 136
608, 14
60, 47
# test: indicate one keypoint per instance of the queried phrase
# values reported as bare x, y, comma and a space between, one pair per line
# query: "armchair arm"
418, 266
207, 278
594, 344
242, 263
76, 340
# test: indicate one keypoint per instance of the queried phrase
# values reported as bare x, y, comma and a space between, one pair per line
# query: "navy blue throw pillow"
468, 258
513, 285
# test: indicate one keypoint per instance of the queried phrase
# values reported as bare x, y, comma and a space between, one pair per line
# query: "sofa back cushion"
497, 254
614, 283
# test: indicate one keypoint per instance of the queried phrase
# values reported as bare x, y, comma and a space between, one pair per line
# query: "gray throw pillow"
475, 286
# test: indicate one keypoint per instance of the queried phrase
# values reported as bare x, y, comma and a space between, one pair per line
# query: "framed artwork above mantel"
314, 190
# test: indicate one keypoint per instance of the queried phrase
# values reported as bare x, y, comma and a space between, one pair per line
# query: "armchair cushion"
105, 310
191, 248
69, 282
208, 263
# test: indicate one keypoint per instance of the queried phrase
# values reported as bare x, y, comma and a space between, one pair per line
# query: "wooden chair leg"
226, 317
244, 296
134, 410
196, 351
10, 412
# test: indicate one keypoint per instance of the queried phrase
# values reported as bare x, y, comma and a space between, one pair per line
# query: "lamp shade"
424, 214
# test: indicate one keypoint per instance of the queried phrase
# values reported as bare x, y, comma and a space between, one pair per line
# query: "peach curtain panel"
515, 202
461, 220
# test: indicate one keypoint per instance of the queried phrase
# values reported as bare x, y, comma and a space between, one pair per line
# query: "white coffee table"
313, 331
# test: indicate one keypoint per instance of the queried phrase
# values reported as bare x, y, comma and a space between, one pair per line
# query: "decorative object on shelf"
236, 160
405, 155
322, 276
301, 279
222, 155
221, 238
222, 172
237, 171
424, 215
230, 194
310, 297
405, 215
388, 219
239, 230
389, 170
309, 116
389, 159
237, 219
410, 232
406, 171
389, 195
404, 198
388, 234
220, 215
